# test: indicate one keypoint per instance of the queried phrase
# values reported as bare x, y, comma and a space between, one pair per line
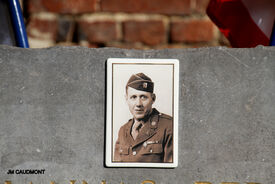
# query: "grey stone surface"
52, 107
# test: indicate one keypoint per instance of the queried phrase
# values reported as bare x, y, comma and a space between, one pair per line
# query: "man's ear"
126, 97
154, 97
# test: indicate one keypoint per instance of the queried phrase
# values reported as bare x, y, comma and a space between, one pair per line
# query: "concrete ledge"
52, 107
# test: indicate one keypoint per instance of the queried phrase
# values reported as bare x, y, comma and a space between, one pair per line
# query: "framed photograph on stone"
142, 112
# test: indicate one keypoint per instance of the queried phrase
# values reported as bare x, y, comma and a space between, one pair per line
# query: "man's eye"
133, 97
144, 97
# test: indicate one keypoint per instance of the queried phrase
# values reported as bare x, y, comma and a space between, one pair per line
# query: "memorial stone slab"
52, 116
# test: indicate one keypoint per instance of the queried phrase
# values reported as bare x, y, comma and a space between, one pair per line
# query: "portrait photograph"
142, 112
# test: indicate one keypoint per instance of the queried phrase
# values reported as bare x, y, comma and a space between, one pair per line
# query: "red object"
235, 22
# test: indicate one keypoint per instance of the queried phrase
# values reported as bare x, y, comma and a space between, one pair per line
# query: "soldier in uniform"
148, 137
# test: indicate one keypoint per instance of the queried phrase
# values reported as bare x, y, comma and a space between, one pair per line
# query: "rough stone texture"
52, 107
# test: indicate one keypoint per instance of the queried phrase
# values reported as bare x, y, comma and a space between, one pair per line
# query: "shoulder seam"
166, 116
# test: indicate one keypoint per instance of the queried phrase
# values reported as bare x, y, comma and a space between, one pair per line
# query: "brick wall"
141, 24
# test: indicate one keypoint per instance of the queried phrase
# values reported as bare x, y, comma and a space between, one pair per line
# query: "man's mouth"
139, 110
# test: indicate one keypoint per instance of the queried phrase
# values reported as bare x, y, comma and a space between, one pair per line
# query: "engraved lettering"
29, 171
10, 171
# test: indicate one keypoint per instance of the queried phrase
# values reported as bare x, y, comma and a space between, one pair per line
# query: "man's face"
139, 102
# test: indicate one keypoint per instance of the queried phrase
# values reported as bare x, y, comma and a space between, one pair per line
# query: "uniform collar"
154, 119
149, 128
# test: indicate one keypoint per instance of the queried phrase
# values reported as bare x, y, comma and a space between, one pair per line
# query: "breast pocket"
153, 149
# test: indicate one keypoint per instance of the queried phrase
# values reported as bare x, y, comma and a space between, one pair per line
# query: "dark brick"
98, 32
66, 29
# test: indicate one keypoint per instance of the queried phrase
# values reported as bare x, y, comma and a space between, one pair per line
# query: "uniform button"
151, 150
134, 152
120, 150
154, 123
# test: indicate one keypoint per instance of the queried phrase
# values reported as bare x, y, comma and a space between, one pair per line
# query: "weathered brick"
62, 6
149, 32
42, 28
177, 7
98, 31
192, 30
201, 5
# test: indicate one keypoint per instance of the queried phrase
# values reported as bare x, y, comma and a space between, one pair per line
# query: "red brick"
98, 32
42, 28
171, 7
34, 6
148, 32
192, 31
201, 5
62, 6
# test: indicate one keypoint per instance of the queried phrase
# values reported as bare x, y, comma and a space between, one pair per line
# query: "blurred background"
138, 24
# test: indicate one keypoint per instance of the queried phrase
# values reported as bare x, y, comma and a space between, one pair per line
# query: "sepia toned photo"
142, 112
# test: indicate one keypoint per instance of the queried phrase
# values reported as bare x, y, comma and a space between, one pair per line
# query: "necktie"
135, 130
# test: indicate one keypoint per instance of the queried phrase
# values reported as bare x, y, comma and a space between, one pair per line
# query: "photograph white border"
109, 111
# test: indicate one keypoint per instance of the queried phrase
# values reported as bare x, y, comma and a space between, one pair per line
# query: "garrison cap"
141, 82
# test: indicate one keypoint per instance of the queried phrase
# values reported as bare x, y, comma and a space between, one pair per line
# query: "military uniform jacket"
154, 142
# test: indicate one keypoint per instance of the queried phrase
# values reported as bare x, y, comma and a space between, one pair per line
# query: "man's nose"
138, 102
